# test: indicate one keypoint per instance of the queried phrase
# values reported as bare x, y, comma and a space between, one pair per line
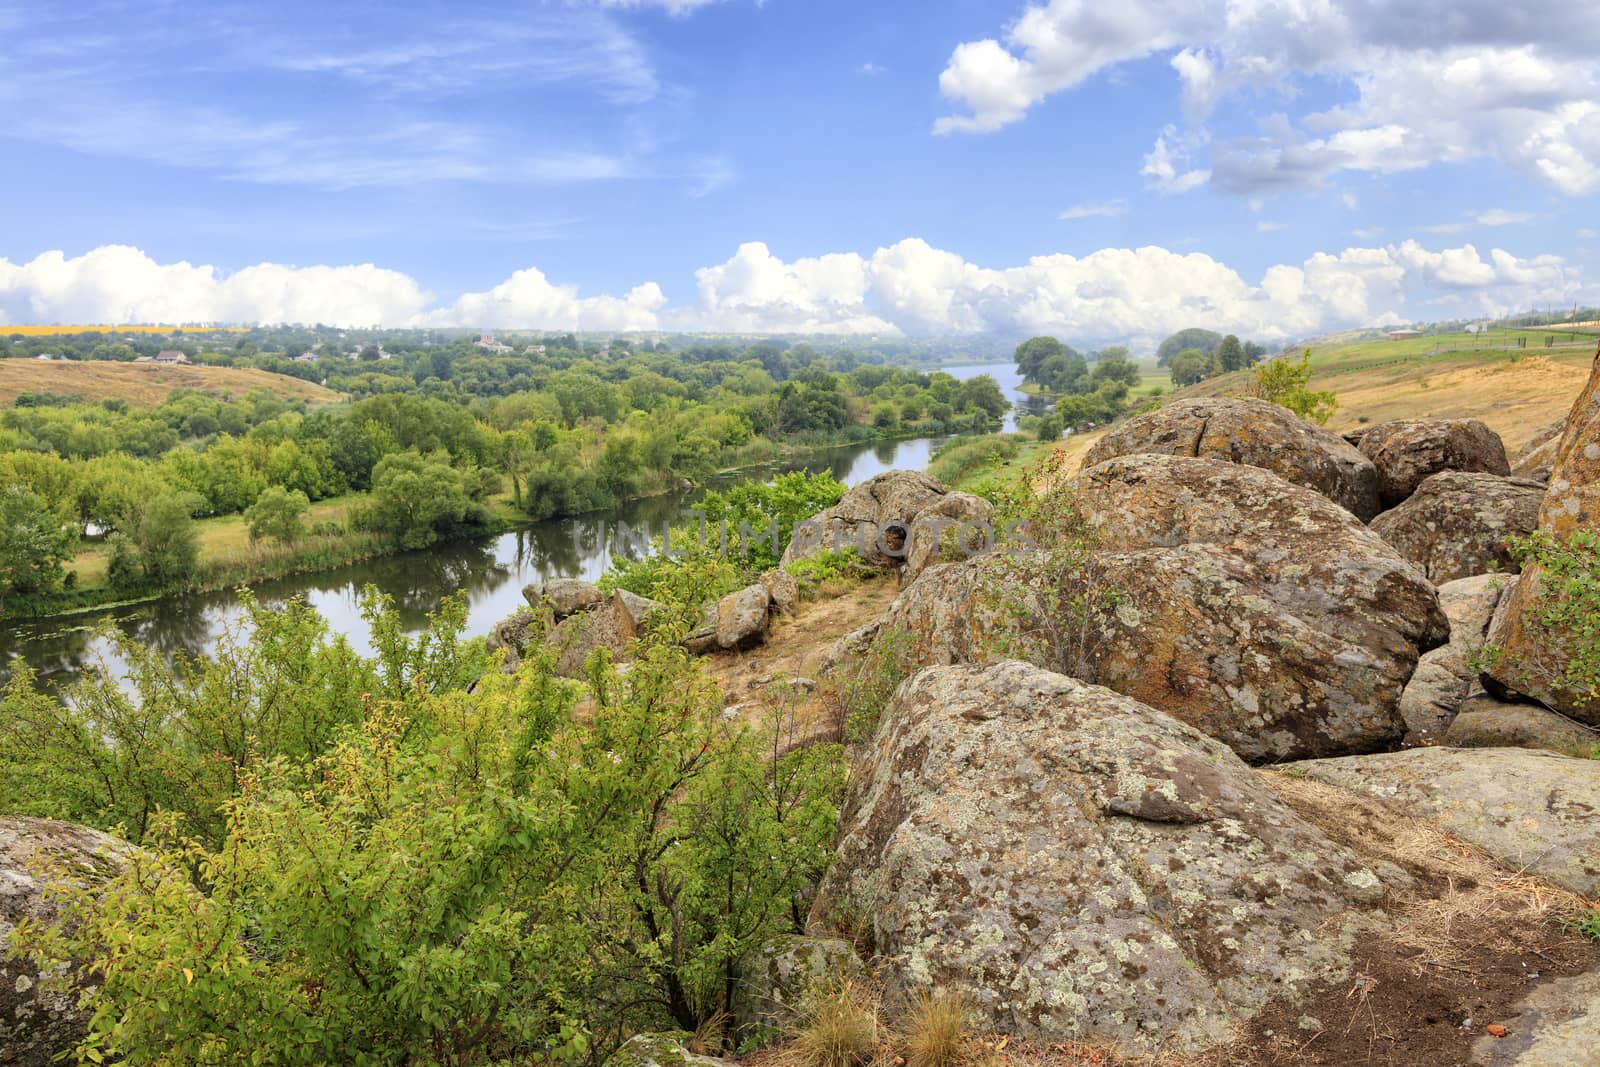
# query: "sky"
1103, 172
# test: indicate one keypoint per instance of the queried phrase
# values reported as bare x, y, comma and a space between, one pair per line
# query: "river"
492, 571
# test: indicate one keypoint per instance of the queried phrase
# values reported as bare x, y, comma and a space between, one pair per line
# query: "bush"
962, 457
856, 692
935, 1031
820, 568
838, 1027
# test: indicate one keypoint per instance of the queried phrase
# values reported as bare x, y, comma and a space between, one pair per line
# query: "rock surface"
871, 518
1537, 458
957, 526
1407, 452
1533, 664
564, 596
783, 591
1483, 722
1458, 524
1255, 610
1445, 677
781, 973
1556, 1025
742, 617
35, 1025
609, 625
1527, 809
668, 1049
1253, 432
514, 634
1081, 866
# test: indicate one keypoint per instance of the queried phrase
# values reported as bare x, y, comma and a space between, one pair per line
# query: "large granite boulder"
665, 1049
1081, 866
1255, 610
1481, 721
780, 974
39, 1024
564, 596
955, 527
1535, 661
742, 617
1537, 459
1458, 524
1253, 432
514, 634
1527, 809
1408, 452
609, 625
1445, 676
873, 518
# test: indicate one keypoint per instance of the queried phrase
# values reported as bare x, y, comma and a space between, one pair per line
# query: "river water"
492, 571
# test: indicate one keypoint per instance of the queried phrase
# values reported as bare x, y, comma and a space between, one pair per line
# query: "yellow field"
1515, 392
145, 384
53, 331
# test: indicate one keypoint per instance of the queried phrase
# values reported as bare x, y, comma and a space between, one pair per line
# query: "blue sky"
878, 166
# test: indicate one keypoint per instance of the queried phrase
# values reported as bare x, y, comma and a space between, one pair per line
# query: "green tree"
1230, 354
1193, 337
1032, 354
1113, 365
1189, 367
278, 513
1284, 382
34, 542
165, 535
416, 498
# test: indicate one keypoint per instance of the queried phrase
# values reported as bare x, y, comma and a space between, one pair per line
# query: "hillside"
1515, 391
145, 384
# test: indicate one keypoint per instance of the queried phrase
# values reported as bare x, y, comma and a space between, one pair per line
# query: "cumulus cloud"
1433, 80
910, 287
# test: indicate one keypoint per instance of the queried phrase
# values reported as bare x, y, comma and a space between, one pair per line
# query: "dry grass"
145, 384
838, 1027
1515, 393
934, 1032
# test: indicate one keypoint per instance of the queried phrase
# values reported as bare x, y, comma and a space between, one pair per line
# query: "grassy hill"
145, 384
1516, 391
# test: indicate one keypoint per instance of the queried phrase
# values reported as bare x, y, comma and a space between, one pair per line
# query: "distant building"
489, 344
1404, 335
305, 357
170, 356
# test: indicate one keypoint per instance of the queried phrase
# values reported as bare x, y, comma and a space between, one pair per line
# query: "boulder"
1527, 809
1253, 432
1407, 452
1481, 721
783, 591
1458, 524
1556, 1025
955, 527
778, 976
667, 1049
1535, 662
638, 607
609, 625
872, 518
742, 617
1445, 677
1537, 458
514, 635
39, 1025
1255, 610
565, 596
1081, 866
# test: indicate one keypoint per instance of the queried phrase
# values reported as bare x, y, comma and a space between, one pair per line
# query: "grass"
838, 1027
1585, 921
145, 384
935, 1030
1516, 392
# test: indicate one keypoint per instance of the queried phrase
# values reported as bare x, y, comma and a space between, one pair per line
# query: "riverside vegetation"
440, 437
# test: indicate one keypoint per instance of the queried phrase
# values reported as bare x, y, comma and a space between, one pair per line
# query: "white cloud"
869, 69
1161, 169
1264, 226
1433, 80
1349, 200
1103, 209
1501, 217
671, 7
1114, 294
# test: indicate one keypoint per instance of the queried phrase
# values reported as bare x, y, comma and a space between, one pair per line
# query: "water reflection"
492, 571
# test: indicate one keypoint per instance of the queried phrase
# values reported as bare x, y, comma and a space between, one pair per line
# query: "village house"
170, 356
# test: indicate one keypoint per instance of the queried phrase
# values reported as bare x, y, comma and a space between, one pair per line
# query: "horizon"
770, 168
